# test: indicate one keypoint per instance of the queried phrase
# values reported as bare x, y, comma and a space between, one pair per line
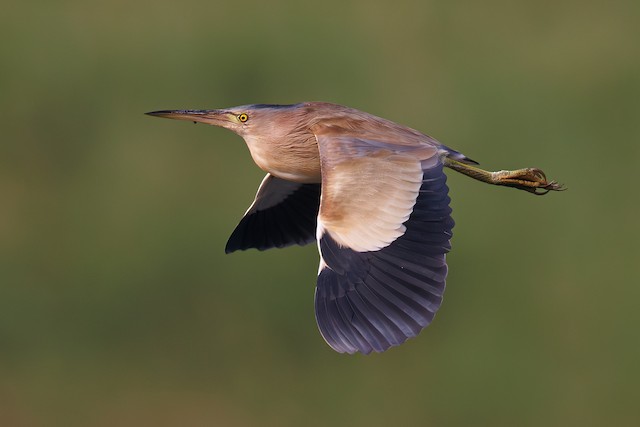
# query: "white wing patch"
271, 192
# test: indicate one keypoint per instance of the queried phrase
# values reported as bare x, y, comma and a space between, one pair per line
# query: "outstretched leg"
532, 180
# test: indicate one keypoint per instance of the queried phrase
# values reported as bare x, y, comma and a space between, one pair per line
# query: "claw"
540, 174
544, 189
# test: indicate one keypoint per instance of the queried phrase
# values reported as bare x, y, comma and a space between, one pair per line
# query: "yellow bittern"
373, 194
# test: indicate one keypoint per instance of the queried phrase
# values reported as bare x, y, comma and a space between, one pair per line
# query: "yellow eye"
243, 117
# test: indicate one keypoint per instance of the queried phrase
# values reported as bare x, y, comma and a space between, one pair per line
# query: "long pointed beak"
212, 117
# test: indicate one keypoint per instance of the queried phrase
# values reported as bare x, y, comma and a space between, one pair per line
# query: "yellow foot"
532, 180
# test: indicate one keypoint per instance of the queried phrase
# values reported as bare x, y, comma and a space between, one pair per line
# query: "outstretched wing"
384, 227
283, 213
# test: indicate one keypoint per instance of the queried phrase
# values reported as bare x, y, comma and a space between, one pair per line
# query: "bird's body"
372, 193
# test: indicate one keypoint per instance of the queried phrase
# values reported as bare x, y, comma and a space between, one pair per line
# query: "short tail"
456, 155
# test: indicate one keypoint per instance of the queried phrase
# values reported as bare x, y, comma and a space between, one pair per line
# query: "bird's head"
248, 121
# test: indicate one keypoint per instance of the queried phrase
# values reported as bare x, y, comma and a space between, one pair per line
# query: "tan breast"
292, 161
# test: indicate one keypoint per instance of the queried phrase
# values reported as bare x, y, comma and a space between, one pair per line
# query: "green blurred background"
118, 306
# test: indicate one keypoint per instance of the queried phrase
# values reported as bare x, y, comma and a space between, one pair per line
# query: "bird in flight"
373, 195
